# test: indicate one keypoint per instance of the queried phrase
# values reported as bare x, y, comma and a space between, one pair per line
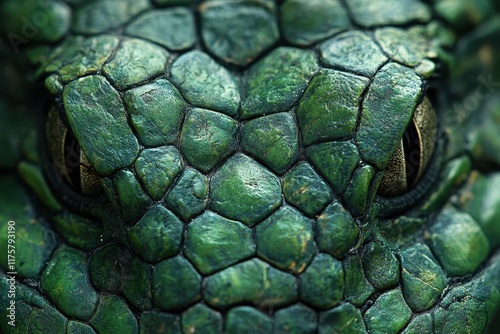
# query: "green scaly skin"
239, 146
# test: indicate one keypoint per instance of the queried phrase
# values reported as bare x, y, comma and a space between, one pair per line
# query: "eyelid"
56, 133
69, 159
412, 157
426, 124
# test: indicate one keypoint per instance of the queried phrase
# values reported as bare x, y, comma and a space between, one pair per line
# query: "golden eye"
69, 159
412, 157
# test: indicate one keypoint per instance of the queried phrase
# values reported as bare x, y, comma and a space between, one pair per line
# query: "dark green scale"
238, 147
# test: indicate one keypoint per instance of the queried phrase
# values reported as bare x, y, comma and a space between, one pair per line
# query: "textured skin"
239, 145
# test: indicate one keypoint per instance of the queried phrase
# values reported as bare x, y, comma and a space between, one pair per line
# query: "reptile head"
251, 165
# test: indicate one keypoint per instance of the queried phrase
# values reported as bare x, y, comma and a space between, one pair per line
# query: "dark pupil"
72, 159
411, 145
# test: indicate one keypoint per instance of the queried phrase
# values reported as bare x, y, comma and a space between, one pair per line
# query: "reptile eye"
69, 159
412, 157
